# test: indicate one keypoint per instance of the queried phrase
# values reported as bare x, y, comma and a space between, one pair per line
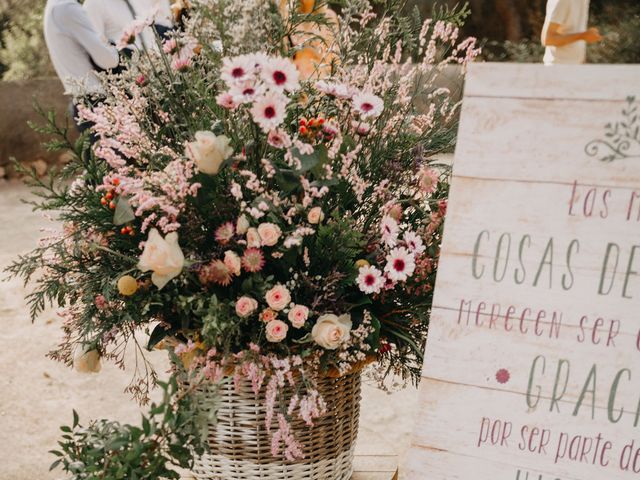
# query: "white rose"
163, 256
253, 238
276, 330
278, 298
298, 315
245, 306
242, 225
208, 151
316, 215
232, 262
86, 361
331, 331
269, 234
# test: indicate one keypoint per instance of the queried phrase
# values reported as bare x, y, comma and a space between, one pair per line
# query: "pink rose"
245, 306
268, 315
232, 262
269, 234
278, 297
316, 215
298, 315
276, 331
253, 238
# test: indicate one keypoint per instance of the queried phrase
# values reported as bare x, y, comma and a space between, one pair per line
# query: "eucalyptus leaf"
123, 213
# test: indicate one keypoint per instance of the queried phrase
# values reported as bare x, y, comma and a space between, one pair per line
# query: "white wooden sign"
533, 359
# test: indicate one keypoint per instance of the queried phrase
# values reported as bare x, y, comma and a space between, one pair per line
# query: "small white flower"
368, 105
400, 264
281, 74
414, 243
269, 111
389, 229
370, 279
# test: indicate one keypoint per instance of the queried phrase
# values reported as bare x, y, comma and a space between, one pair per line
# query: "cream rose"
278, 298
162, 256
242, 225
269, 234
331, 331
232, 262
298, 315
245, 306
276, 330
208, 151
253, 238
315, 216
86, 361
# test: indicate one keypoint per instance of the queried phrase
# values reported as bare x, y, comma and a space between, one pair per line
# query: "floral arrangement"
260, 199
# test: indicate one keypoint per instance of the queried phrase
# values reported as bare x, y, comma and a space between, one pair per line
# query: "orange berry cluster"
108, 200
311, 128
128, 230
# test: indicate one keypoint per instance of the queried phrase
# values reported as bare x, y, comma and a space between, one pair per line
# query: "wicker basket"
241, 446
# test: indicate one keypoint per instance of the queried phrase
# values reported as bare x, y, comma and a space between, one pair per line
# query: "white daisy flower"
368, 105
414, 243
389, 229
246, 92
237, 69
269, 111
338, 90
400, 264
370, 279
281, 74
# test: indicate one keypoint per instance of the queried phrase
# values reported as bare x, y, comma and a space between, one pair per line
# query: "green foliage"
23, 49
167, 437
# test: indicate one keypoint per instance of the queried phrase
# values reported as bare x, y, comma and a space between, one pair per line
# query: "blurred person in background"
76, 51
565, 33
112, 18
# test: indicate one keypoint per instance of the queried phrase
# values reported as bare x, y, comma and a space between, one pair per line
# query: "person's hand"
592, 35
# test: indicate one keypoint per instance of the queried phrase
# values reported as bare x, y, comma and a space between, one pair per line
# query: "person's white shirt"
573, 17
73, 43
112, 17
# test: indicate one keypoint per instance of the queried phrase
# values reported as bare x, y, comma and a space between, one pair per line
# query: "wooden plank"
585, 82
532, 366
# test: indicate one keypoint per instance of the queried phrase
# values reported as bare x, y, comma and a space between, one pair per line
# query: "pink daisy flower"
215, 272
368, 105
281, 74
225, 100
237, 69
370, 279
428, 180
170, 46
361, 128
181, 64
400, 264
389, 229
279, 139
225, 232
253, 260
269, 111
414, 243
